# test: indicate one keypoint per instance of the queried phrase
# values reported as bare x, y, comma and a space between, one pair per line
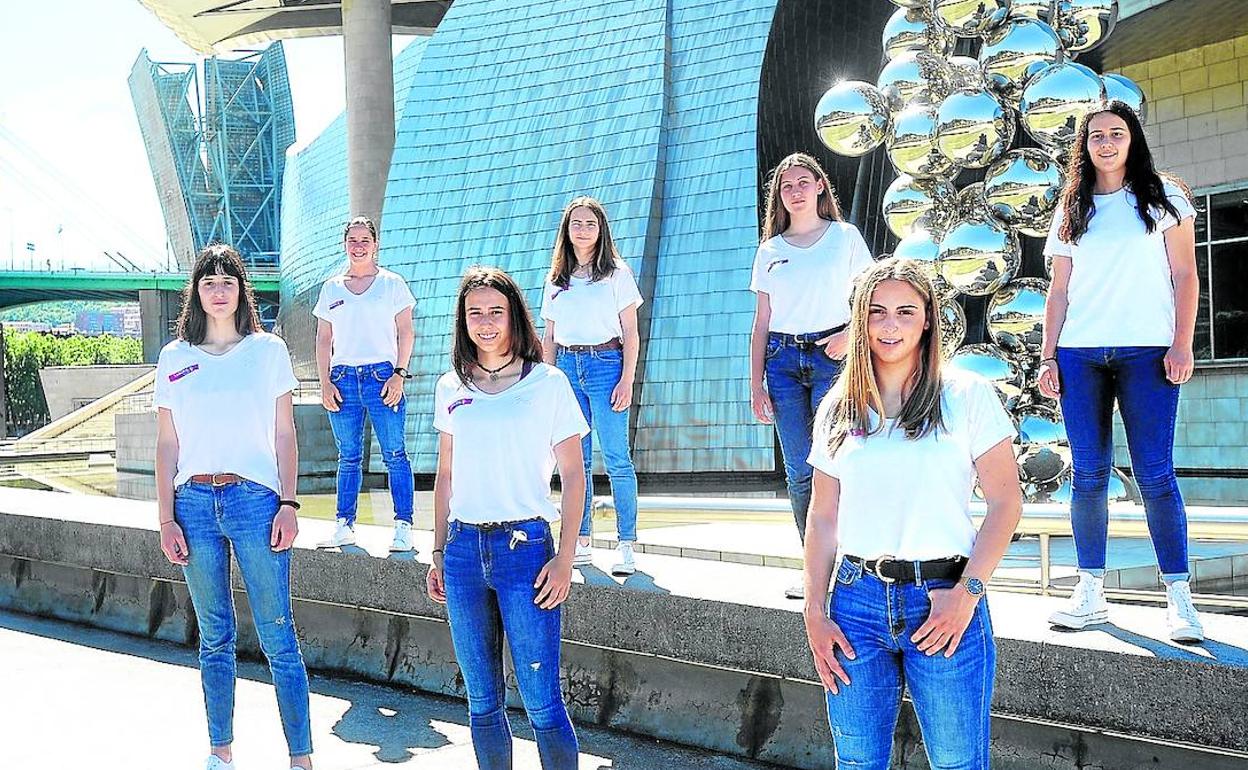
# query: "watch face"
974, 586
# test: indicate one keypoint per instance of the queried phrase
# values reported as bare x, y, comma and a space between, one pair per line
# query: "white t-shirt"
809, 288
588, 312
225, 407
504, 444
910, 499
1121, 292
364, 329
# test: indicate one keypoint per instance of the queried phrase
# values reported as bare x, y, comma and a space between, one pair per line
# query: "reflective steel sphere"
970, 202
1022, 189
1014, 52
852, 118
1055, 99
952, 326
911, 144
911, 28
995, 365
973, 129
1016, 316
922, 246
1123, 89
1045, 451
965, 72
978, 256
1084, 24
911, 203
913, 76
969, 18
1039, 10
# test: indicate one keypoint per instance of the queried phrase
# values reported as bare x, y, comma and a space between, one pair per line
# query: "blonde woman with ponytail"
898, 445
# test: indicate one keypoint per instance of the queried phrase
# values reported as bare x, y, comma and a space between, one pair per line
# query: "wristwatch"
974, 586
402, 372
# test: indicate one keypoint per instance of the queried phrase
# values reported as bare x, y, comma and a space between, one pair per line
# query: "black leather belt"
612, 344
493, 525
893, 571
809, 338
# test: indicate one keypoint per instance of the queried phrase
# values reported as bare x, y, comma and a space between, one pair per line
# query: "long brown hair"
563, 258
524, 340
848, 406
217, 259
776, 216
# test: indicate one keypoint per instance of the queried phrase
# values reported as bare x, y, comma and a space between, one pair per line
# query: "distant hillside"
57, 313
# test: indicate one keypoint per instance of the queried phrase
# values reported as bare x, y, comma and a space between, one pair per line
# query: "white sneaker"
625, 566
1181, 618
343, 535
1087, 605
584, 555
216, 763
795, 592
402, 542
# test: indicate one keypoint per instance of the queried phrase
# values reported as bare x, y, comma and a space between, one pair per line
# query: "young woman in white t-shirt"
590, 303
802, 276
505, 420
1119, 322
226, 469
363, 343
898, 445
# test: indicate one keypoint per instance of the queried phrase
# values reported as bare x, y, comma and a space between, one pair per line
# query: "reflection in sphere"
911, 144
964, 73
922, 246
911, 3
852, 118
1045, 450
910, 28
969, 18
1084, 24
913, 76
978, 256
995, 365
1016, 316
1038, 10
1123, 89
1022, 189
911, 203
1014, 52
952, 327
1054, 101
973, 129
970, 202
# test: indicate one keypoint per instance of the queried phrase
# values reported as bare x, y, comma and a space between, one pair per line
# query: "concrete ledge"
673, 655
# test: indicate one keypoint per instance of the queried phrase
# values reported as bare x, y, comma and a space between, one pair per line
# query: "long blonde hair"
855, 393
776, 216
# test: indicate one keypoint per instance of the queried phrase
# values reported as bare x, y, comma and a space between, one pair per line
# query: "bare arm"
760, 402
392, 390
434, 583
819, 556
549, 346
1181, 252
172, 542
622, 395
1055, 305
286, 524
330, 397
554, 582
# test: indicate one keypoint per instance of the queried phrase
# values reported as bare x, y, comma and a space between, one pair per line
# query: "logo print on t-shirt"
179, 375
558, 291
336, 303
776, 263
458, 404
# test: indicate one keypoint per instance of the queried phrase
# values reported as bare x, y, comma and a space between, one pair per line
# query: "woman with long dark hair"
226, 469
505, 420
590, 306
899, 444
1119, 321
802, 276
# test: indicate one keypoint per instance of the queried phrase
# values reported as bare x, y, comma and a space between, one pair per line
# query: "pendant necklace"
494, 372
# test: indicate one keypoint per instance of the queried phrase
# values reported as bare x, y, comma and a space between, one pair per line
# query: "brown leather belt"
217, 479
611, 344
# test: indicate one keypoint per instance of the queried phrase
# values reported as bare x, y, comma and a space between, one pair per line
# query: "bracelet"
437, 550
292, 503
171, 521
1050, 358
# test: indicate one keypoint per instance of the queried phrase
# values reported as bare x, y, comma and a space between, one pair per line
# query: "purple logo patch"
458, 404
333, 305
775, 263
179, 375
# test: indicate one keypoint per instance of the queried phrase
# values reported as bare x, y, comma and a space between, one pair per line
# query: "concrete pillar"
4, 401
158, 315
366, 33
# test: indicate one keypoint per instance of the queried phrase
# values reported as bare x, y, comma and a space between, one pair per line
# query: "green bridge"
22, 287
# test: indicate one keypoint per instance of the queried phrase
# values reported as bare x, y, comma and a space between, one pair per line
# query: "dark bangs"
217, 259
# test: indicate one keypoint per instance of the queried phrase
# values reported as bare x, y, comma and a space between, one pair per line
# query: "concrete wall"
68, 388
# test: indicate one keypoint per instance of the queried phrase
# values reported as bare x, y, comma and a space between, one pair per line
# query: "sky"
71, 156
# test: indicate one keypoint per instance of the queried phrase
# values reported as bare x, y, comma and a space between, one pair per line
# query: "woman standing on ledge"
1118, 325
363, 343
504, 420
802, 277
590, 306
897, 449
226, 468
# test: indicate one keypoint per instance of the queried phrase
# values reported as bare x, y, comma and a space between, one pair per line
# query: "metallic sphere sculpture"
923, 247
970, 202
1123, 89
911, 28
911, 203
969, 18
1016, 316
1037, 10
952, 327
1014, 52
913, 76
1084, 24
973, 129
1045, 450
852, 118
1022, 190
965, 72
995, 365
911, 144
978, 256
1055, 99
911, 3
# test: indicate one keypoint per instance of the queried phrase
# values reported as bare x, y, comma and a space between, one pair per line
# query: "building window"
1222, 261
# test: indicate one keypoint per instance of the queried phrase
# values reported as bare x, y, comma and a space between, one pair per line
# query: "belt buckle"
876, 571
216, 483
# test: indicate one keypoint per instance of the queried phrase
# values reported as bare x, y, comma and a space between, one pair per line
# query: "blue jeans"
239, 518
951, 695
1091, 378
360, 387
594, 374
799, 374
489, 574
